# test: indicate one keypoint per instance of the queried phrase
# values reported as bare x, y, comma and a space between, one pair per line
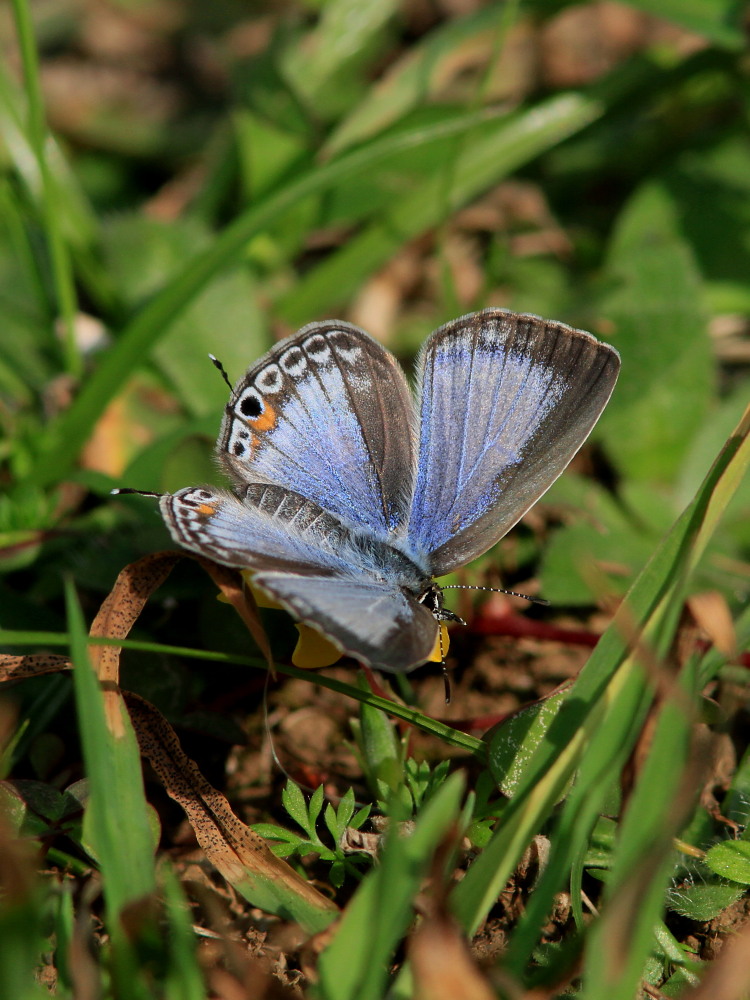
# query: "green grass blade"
609, 688
62, 268
183, 979
485, 156
413, 78
355, 965
454, 737
117, 811
65, 438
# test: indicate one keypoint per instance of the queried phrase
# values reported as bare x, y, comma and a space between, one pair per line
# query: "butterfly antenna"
222, 370
498, 590
120, 490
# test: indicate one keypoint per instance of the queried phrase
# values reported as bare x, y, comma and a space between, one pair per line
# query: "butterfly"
351, 494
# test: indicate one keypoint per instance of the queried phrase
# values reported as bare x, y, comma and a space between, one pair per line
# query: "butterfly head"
432, 598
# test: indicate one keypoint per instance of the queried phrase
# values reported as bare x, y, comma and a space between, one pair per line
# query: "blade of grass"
119, 828
634, 896
64, 439
454, 737
355, 965
609, 685
413, 78
484, 157
183, 979
62, 268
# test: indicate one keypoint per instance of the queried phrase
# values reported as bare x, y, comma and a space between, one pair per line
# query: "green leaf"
293, 801
730, 859
513, 742
719, 21
704, 900
660, 330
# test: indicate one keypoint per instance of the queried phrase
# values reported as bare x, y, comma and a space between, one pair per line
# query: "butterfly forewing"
506, 401
327, 413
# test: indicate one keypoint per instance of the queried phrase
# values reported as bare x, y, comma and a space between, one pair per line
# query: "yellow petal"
442, 642
313, 650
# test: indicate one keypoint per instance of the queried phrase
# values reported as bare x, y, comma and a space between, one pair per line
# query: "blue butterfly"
351, 494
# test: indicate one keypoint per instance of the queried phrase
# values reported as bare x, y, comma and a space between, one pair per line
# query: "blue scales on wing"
328, 414
361, 594
506, 401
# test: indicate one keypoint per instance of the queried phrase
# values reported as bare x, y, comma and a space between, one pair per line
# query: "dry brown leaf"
117, 615
711, 612
121, 608
232, 586
442, 963
15, 668
228, 844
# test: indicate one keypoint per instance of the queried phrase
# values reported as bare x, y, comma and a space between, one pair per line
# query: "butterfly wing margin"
376, 624
328, 414
507, 400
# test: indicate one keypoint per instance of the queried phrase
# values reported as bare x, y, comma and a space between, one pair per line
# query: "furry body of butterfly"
351, 495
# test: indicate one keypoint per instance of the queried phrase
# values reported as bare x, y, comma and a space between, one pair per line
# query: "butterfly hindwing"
374, 622
327, 413
506, 401
272, 528
309, 562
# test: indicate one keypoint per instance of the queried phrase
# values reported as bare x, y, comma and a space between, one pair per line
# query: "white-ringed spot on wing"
242, 443
250, 404
255, 411
317, 349
293, 362
270, 380
345, 349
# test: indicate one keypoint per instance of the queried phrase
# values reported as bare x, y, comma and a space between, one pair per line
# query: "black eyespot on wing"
251, 406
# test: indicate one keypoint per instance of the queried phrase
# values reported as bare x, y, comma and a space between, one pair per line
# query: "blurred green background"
179, 178
218, 175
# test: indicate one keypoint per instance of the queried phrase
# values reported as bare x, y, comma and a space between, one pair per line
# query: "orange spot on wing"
266, 421
206, 509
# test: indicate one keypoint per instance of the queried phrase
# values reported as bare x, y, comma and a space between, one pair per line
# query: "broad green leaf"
224, 320
660, 330
514, 741
731, 859
711, 192
703, 901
